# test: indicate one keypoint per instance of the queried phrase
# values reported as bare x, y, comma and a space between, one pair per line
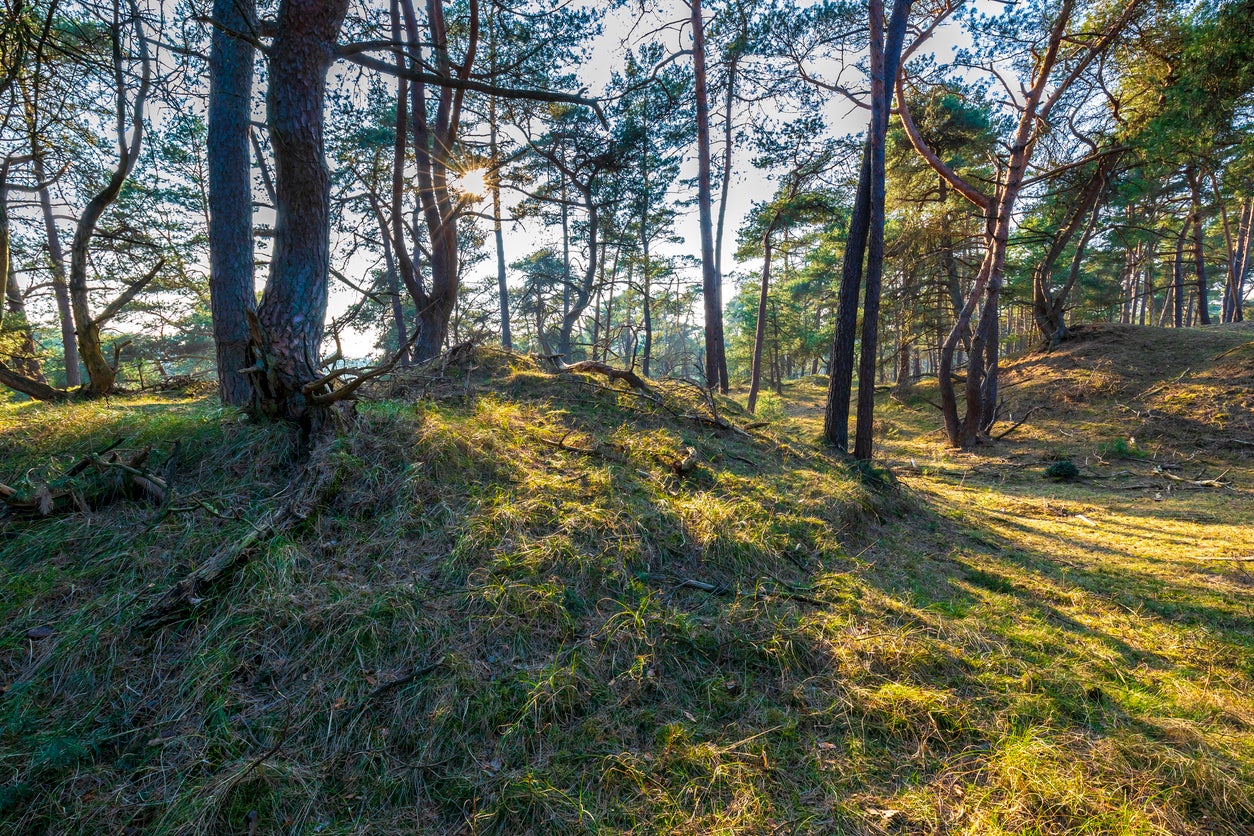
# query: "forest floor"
527, 603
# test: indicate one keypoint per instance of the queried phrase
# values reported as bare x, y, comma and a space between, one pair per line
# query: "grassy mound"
530, 604
504, 617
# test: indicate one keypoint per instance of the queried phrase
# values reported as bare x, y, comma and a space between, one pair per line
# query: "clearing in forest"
525, 602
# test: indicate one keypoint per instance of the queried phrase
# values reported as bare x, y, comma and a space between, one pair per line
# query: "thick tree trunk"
711, 284
292, 311
232, 291
840, 368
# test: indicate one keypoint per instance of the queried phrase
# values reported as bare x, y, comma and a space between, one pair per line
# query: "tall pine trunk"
711, 282
885, 57
232, 295
293, 308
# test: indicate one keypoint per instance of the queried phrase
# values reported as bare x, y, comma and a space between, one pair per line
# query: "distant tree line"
183, 188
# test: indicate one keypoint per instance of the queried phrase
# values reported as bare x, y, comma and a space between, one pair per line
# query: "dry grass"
486, 630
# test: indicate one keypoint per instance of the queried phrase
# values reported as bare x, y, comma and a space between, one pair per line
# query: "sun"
472, 182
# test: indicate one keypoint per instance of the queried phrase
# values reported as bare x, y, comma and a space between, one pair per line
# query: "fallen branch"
62, 495
416, 673
36, 389
595, 367
305, 494
722, 590
1201, 483
1017, 424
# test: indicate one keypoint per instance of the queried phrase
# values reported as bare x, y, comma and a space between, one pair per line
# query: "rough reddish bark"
288, 327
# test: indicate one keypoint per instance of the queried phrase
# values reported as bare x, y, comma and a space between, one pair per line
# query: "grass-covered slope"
524, 607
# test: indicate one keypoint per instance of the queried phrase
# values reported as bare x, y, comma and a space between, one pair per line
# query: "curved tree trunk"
759, 338
100, 374
290, 317
232, 294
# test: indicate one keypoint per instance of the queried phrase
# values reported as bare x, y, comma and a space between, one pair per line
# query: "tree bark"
1046, 306
13, 318
711, 284
1199, 249
577, 303
885, 57
502, 289
56, 262
100, 374
1177, 293
289, 323
232, 291
725, 187
759, 338
886, 60
840, 366
433, 145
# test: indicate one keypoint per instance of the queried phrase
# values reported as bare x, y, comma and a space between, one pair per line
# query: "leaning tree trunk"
56, 259
759, 337
87, 329
840, 366
885, 57
100, 374
1047, 307
232, 295
290, 317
